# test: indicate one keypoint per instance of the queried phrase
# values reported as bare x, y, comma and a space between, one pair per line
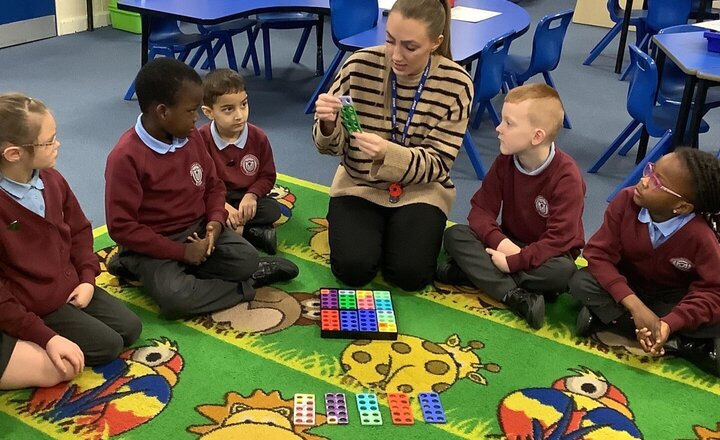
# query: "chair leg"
478, 116
216, 50
642, 148
183, 56
325, 81
630, 143
602, 44
549, 81
469, 145
493, 114
266, 53
301, 44
130, 92
251, 52
614, 146
662, 147
230, 52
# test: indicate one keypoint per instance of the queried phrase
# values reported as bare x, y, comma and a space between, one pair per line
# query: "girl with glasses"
53, 318
654, 264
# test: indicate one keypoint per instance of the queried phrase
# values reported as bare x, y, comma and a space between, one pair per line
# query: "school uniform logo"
196, 172
541, 206
682, 264
250, 165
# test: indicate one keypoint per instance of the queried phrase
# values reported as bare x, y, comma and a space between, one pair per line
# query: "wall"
72, 15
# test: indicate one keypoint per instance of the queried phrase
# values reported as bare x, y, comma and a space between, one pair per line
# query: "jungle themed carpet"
233, 374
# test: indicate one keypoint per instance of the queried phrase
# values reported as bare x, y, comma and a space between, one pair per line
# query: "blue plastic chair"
660, 15
653, 120
347, 18
617, 15
545, 56
488, 78
223, 33
167, 39
286, 20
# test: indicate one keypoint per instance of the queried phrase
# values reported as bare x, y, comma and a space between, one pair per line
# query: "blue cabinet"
26, 20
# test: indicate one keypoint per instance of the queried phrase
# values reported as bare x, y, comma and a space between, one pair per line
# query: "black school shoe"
450, 273
704, 353
527, 305
272, 270
263, 238
117, 269
586, 323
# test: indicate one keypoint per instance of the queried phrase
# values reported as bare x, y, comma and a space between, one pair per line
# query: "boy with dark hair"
243, 159
165, 205
539, 192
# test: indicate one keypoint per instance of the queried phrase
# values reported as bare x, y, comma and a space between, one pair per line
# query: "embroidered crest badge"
250, 165
196, 172
541, 206
682, 264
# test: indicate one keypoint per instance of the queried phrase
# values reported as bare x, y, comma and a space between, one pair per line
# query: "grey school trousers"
586, 289
183, 290
468, 252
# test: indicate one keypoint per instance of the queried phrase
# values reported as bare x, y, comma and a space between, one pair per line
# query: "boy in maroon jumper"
165, 205
539, 192
243, 158
653, 264
53, 318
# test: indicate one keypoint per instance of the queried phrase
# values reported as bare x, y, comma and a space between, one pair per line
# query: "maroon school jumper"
250, 169
42, 260
620, 254
150, 195
543, 211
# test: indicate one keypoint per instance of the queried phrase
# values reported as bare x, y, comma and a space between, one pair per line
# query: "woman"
392, 192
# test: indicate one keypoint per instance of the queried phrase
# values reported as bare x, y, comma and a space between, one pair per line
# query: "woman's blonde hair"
435, 13
15, 125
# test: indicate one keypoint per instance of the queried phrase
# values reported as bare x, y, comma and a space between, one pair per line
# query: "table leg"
701, 12
90, 24
623, 36
697, 112
681, 124
319, 63
144, 46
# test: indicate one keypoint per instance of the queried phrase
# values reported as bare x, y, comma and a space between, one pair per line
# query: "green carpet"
233, 374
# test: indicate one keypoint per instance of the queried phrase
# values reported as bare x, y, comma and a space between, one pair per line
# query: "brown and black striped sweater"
434, 137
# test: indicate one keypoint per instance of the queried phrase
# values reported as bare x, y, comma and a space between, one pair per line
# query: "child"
165, 205
538, 191
243, 159
653, 264
53, 318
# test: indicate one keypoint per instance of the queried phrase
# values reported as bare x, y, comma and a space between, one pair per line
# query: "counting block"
336, 409
400, 409
357, 314
432, 408
304, 409
348, 115
369, 409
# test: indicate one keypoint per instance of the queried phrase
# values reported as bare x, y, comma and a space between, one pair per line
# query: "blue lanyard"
411, 112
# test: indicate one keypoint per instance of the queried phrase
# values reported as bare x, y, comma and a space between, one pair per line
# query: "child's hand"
196, 250
59, 348
81, 296
645, 318
234, 219
644, 337
327, 107
662, 333
212, 232
248, 207
508, 248
499, 260
371, 144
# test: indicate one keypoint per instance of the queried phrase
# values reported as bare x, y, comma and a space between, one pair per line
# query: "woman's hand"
327, 108
371, 144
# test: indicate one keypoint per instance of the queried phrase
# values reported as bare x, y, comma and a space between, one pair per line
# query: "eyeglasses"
50, 143
654, 181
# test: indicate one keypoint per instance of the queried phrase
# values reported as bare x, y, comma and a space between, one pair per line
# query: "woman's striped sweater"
434, 137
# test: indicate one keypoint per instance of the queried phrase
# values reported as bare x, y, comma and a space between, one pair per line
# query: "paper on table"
472, 15
386, 4
713, 25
